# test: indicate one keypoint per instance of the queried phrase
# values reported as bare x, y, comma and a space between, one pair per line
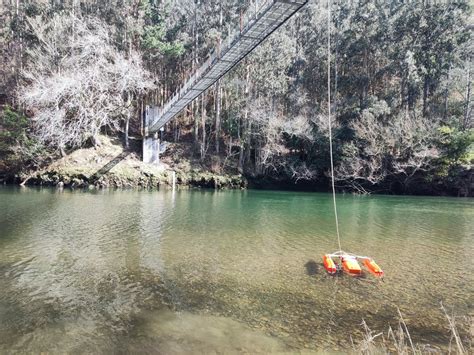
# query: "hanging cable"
330, 128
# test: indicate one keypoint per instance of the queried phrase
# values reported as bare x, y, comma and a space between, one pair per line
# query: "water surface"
229, 271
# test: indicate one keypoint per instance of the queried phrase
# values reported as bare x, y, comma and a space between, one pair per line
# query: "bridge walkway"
257, 24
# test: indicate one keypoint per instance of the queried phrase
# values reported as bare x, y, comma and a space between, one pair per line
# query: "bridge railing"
249, 19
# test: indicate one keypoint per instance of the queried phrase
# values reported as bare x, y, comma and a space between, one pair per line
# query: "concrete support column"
151, 149
151, 144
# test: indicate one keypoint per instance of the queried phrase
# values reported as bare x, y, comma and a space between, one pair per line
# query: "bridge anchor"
151, 149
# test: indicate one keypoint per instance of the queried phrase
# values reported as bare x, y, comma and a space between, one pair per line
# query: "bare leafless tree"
271, 129
399, 146
77, 82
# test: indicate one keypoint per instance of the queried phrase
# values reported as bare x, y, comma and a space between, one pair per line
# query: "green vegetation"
455, 145
401, 74
14, 126
17, 147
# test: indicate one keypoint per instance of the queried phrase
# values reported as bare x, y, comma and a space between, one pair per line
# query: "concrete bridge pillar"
151, 143
151, 149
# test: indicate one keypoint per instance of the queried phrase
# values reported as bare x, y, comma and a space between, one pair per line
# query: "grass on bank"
400, 341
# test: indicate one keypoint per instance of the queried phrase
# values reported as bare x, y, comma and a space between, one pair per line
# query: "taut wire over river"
226, 271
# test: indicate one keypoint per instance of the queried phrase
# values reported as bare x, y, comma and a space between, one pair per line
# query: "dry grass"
460, 349
399, 340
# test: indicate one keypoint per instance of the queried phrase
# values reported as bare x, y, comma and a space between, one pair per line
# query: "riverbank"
110, 165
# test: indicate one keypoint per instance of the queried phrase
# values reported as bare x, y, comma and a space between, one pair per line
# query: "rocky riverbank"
109, 165
138, 178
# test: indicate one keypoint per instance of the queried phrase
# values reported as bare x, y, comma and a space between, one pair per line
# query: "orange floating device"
373, 267
329, 264
350, 265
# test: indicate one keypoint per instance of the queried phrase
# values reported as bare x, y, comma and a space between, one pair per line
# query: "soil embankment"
111, 165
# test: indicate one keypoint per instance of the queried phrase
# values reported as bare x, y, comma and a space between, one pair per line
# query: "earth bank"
109, 164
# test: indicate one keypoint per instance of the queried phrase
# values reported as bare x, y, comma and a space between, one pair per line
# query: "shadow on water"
312, 267
110, 165
147, 273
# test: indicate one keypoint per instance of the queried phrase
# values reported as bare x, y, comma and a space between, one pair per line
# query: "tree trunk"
242, 145
127, 124
226, 109
176, 130
74, 22
218, 115
95, 143
467, 102
425, 96
195, 106
194, 109
248, 141
127, 121
242, 132
446, 94
18, 65
203, 126
218, 86
141, 117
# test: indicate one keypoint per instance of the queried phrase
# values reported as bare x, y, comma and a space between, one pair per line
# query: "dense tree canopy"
401, 83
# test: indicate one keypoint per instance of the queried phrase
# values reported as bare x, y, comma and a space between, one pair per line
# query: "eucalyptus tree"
401, 82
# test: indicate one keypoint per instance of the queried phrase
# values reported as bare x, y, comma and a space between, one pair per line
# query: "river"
198, 271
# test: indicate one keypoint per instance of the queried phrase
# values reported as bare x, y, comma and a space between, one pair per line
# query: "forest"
401, 74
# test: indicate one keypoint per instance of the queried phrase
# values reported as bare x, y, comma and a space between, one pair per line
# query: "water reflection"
144, 271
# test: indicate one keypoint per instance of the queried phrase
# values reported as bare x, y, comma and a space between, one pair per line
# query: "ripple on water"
223, 272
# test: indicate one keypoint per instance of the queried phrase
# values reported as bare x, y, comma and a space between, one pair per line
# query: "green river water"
225, 272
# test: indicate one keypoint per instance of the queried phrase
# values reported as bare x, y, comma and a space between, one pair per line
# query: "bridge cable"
329, 125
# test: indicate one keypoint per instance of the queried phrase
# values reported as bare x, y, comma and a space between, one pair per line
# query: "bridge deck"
258, 25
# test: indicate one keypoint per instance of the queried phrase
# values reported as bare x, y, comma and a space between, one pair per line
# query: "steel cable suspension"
330, 126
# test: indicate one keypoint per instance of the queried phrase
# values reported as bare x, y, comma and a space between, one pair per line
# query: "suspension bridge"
256, 25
